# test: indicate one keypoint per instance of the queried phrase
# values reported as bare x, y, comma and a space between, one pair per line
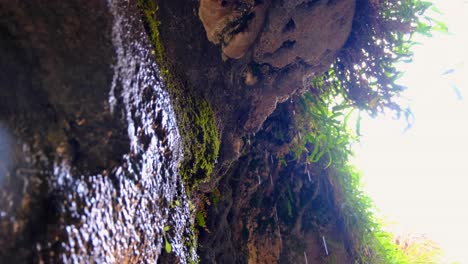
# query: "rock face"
297, 40
89, 145
297, 31
300, 40
234, 24
272, 209
306, 32
262, 215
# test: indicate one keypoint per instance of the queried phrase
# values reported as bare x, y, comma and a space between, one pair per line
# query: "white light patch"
419, 178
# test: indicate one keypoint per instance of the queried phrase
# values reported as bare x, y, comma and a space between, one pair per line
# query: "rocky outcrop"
90, 146
307, 32
300, 39
296, 31
297, 40
272, 207
233, 24
262, 215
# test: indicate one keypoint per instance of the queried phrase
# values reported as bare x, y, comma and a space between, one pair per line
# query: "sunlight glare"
418, 178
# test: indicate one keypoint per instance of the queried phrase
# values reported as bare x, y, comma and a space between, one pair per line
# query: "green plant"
365, 72
326, 139
215, 196
167, 245
364, 76
201, 212
323, 124
200, 219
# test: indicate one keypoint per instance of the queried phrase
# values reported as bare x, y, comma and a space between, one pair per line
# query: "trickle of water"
325, 245
278, 224
120, 216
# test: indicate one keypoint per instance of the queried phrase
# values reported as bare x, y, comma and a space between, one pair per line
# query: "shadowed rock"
92, 138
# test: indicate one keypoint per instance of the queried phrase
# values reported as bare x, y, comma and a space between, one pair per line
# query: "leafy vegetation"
364, 76
364, 72
419, 249
324, 128
326, 141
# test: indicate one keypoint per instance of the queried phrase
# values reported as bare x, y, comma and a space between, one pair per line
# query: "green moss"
195, 116
202, 142
200, 219
215, 196
149, 10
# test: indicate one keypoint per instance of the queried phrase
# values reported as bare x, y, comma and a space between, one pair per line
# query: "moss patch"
195, 116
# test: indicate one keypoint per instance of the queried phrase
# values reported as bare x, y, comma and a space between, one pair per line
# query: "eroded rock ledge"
296, 40
94, 175
263, 212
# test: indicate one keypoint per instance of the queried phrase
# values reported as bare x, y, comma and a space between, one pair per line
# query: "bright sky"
419, 178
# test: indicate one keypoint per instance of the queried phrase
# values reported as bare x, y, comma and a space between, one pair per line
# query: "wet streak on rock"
95, 148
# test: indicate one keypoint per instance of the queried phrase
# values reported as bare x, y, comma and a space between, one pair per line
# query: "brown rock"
300, 40
215, 14
304, 31
234, 24
242, 41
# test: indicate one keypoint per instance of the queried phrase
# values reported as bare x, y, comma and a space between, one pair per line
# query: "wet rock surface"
90, 147
89, 142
